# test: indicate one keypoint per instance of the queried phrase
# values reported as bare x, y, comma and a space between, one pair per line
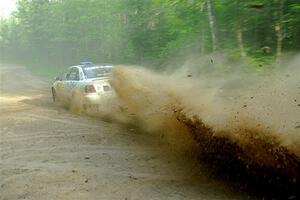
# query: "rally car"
84, 86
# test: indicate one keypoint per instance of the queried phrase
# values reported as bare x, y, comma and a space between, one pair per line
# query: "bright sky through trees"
6, 7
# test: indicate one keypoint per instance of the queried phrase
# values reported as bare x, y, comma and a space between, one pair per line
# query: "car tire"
53, 95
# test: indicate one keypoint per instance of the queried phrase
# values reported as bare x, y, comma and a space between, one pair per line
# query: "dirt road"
46, 152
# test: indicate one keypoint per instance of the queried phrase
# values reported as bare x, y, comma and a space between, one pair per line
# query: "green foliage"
63, 32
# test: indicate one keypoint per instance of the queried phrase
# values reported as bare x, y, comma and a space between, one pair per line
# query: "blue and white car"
84, 86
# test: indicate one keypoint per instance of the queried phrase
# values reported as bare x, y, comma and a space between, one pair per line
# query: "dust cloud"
249, 122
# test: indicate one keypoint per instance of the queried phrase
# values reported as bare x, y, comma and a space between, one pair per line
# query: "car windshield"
97, 72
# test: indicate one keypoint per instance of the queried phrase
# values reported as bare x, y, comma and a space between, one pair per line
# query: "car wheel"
53, 95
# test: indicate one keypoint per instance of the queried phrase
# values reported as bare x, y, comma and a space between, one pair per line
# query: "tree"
212, 23
63, 32
239, 29
278, 29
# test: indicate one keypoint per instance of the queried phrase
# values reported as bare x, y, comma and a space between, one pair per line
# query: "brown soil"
46, 152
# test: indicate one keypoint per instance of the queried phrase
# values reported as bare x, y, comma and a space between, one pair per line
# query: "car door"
62, 86
73, 81
66, 86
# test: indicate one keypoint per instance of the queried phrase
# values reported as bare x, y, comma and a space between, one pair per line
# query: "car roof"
83, 66
97, 66
86, 63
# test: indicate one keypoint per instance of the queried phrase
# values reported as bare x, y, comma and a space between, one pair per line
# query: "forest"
149, 32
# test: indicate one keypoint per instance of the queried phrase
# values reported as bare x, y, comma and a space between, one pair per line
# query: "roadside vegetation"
57, 33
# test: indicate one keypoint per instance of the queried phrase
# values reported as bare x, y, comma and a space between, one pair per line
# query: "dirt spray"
240, 121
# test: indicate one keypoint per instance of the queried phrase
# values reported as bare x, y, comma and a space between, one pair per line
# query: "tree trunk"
239, 36
212, 24
278, 29
238, 28
202, 44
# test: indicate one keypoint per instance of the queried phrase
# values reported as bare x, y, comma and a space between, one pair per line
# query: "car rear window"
106, 88
97, 72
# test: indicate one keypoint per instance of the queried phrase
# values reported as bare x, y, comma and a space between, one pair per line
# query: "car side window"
73, 75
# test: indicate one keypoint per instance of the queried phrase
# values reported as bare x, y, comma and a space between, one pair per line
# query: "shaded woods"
62, 32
